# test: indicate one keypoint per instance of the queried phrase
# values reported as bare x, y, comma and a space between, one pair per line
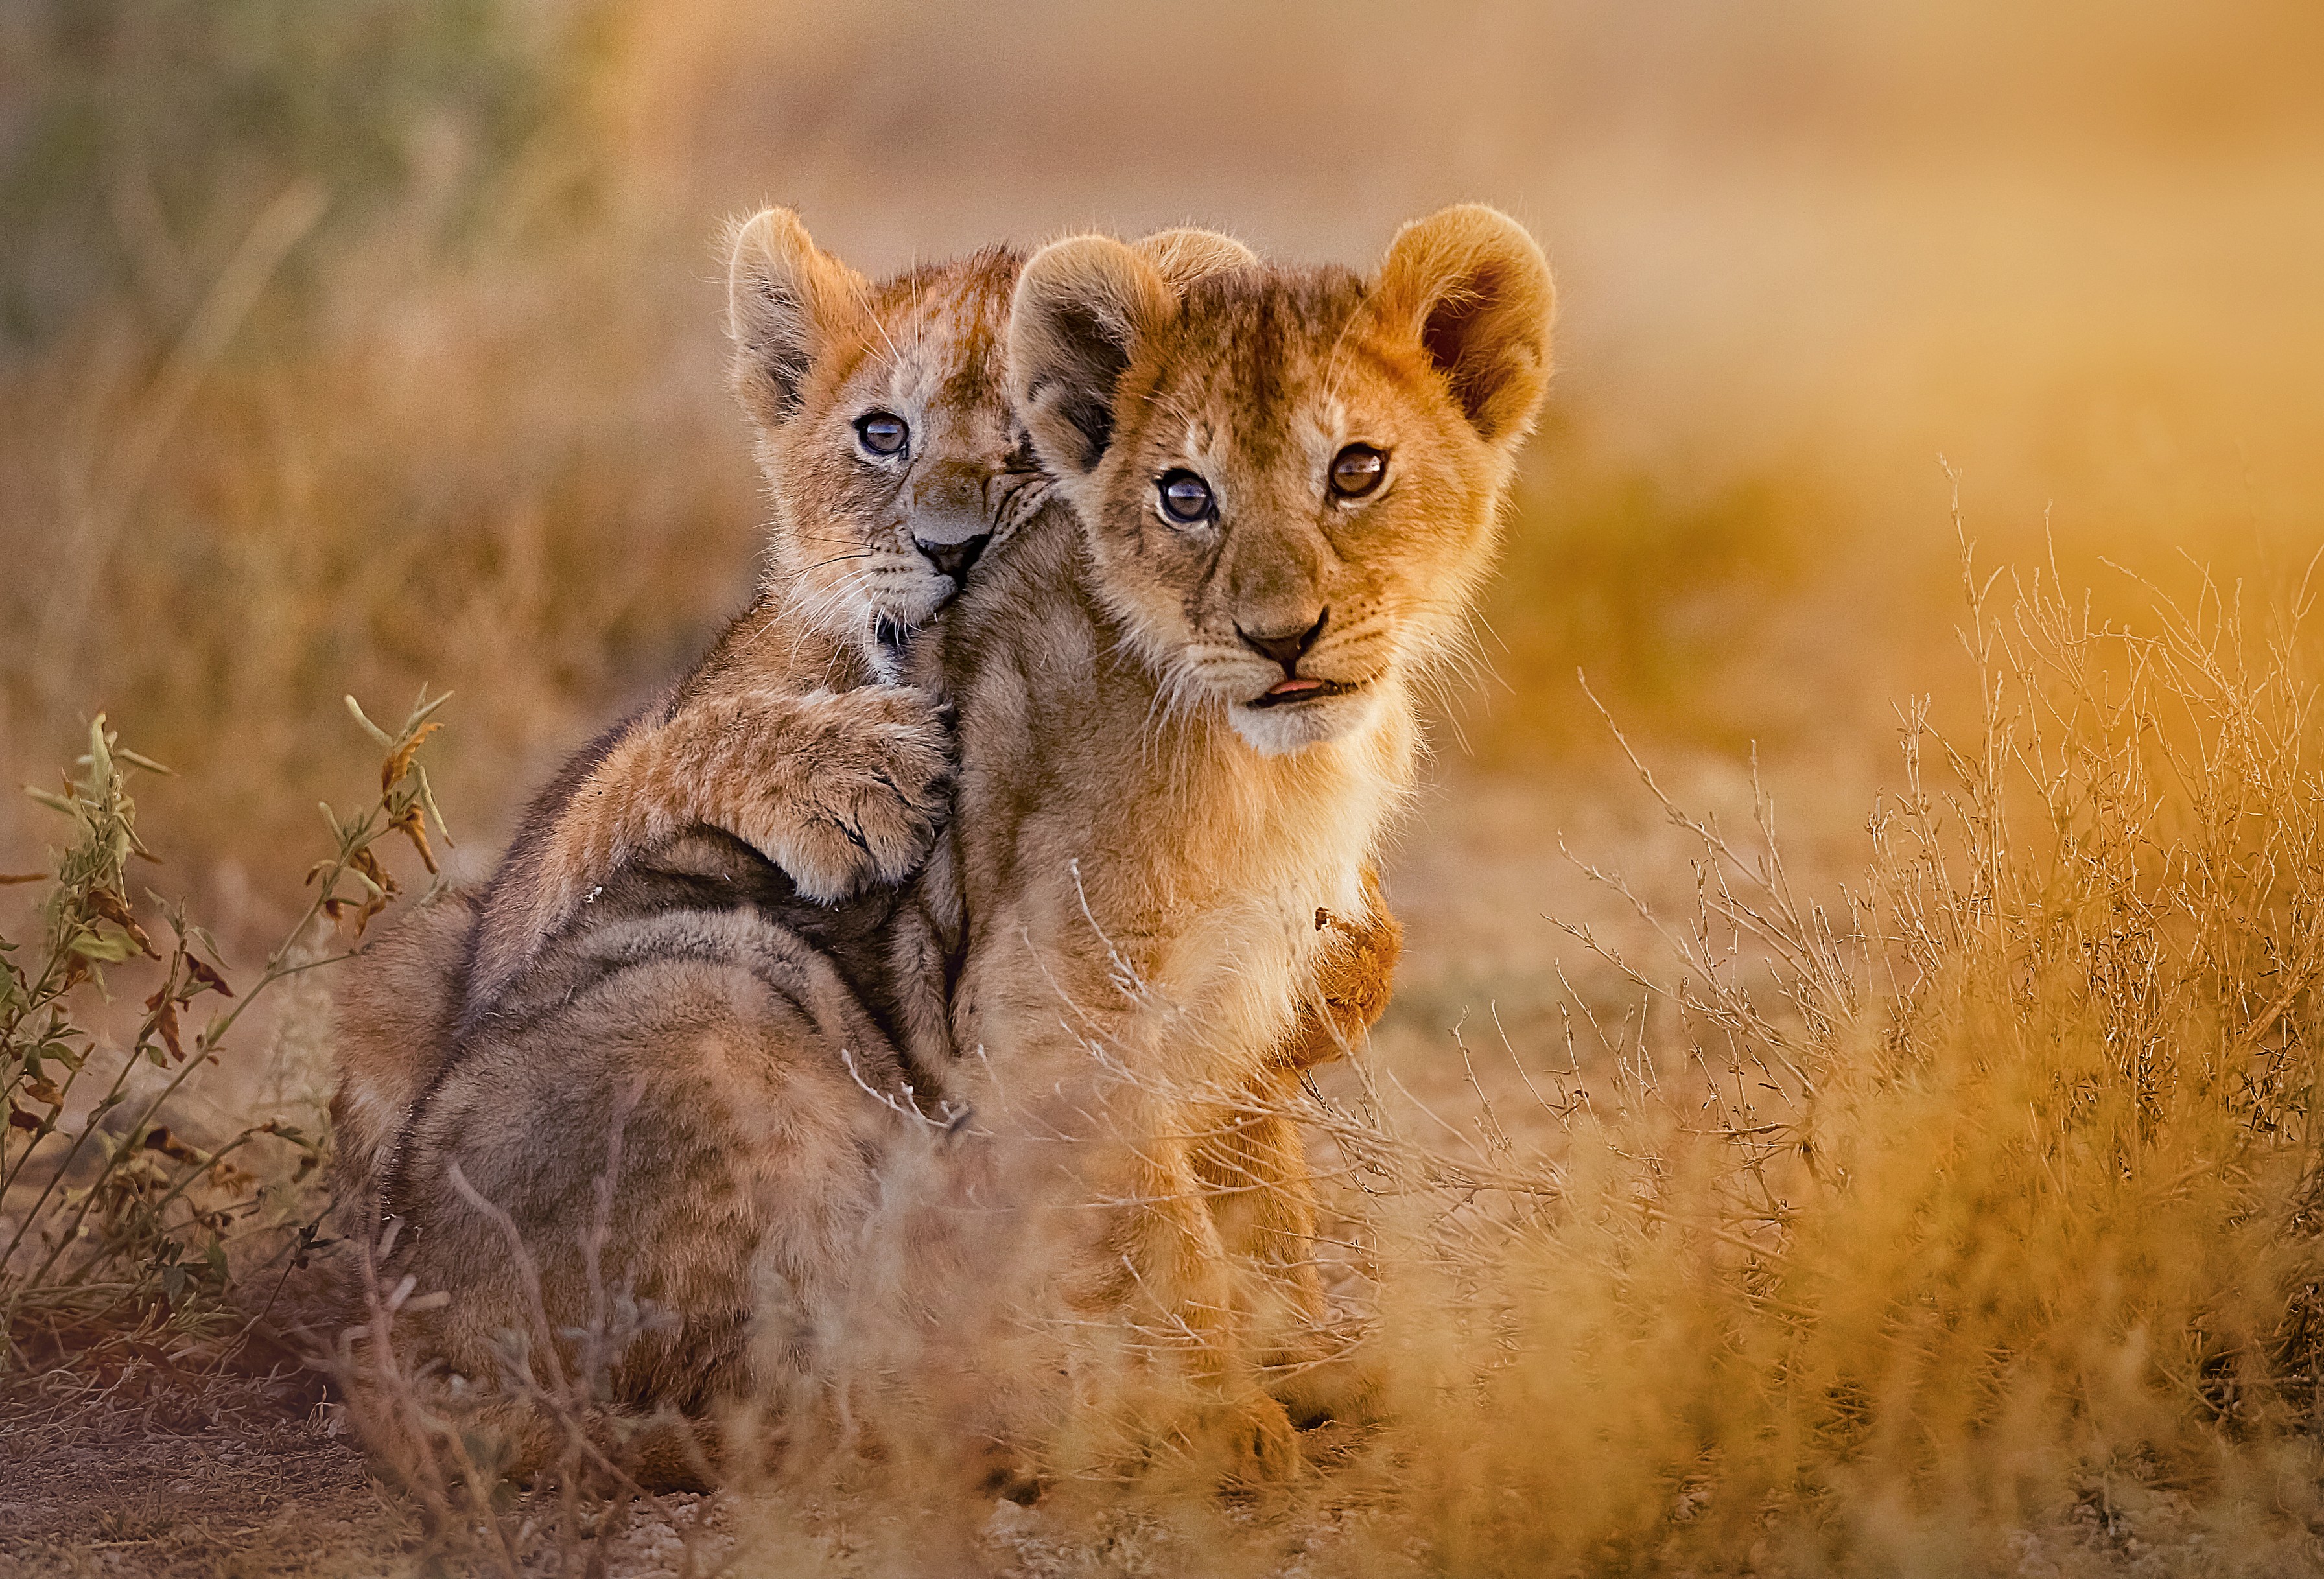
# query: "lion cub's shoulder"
789, 744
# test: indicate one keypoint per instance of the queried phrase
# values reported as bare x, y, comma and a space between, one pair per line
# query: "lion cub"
791, 735
1187, 713
628, 960
890, 472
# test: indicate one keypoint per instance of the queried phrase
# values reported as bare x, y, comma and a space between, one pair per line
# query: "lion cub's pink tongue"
1295, 687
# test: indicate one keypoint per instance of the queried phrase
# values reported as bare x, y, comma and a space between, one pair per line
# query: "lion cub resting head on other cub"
636, 965
892, 464
686, 944
891, 459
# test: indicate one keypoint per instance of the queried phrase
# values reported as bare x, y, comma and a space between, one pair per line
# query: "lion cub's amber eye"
1185, 497
1357, 470
882, 433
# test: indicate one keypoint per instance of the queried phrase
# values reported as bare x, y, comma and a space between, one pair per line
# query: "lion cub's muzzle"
1287, 648
954, 559
952, 539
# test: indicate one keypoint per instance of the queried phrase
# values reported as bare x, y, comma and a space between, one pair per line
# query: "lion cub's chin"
1287, 727
905, 602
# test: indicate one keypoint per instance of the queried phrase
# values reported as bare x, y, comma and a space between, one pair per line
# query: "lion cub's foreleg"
1188, 1374
842, 790
1254, 1168
1211, 1253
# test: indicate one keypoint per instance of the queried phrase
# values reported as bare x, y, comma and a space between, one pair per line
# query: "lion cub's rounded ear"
1081, 305
787, 300
1472, 286
1185, 255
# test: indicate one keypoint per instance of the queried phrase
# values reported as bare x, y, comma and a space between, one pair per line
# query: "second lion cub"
790, 735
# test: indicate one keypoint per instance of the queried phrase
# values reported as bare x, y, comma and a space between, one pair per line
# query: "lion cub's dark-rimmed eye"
1357, 471
1185, 497
883, 434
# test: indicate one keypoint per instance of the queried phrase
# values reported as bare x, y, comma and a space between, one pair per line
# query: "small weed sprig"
116, 1230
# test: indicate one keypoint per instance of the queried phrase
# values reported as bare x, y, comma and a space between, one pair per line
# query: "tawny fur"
625, 936
657, 915
1142, 850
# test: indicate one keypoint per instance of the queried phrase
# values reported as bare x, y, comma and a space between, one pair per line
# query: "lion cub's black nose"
953, 558
1288, 648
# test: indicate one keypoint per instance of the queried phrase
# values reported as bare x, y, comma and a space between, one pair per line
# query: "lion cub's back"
394, 1017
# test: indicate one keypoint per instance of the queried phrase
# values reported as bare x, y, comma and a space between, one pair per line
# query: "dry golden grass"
1959, 1221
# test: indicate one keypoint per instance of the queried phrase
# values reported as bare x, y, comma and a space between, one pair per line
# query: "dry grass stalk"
445, 1443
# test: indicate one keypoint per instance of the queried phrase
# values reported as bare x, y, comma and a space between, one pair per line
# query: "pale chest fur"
1140, 886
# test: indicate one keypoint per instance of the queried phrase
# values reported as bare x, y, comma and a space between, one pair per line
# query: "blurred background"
359, 346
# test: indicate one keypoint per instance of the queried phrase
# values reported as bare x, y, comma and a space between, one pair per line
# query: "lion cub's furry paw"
1250, 1445
857, 801
1353, 981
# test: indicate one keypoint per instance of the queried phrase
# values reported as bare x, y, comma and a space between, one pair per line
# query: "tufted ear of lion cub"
1455, 323
1472, 286
788, 303
1468, 287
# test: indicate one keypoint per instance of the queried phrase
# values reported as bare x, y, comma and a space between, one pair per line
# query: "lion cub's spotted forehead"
938, 338
1264, 358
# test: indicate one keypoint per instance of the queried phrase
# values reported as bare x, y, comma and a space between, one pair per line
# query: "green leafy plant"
118, 1232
